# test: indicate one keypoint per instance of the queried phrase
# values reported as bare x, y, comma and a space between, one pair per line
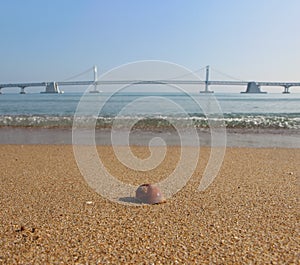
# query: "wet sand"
286, 138
49, 215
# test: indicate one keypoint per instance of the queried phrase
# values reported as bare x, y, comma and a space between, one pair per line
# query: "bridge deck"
123, 82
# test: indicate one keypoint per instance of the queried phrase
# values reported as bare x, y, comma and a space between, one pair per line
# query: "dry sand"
249, 215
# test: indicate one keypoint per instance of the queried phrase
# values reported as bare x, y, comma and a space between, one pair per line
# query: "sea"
273, 113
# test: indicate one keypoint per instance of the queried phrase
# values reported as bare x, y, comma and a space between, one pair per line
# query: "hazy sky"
53, 40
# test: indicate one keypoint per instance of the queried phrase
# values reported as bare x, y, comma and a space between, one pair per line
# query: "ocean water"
266, 111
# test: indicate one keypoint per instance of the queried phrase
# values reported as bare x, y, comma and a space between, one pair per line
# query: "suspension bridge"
54, 87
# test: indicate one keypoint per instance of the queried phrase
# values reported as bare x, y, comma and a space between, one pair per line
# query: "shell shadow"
130, 200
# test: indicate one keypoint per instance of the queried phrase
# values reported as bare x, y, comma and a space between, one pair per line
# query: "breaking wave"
272, 121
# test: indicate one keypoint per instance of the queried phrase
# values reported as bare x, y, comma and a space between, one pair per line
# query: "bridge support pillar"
51, 87
286, 90
22, 90
252, 87
0, 90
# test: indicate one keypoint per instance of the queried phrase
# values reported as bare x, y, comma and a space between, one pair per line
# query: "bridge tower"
95, 73
207, 81
95, 80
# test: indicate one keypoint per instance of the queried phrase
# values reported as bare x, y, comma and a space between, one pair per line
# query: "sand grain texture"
49, 215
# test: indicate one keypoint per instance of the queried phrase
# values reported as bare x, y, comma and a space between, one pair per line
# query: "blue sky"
53, 40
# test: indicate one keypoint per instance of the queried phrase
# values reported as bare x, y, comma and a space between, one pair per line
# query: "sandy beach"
49, 215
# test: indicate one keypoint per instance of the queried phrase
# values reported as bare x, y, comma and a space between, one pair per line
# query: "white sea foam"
159, 121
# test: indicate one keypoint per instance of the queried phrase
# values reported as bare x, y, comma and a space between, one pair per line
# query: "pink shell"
148, 193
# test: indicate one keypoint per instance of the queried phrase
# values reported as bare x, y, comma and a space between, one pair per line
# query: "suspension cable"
227, 75
194, 72
80, 74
